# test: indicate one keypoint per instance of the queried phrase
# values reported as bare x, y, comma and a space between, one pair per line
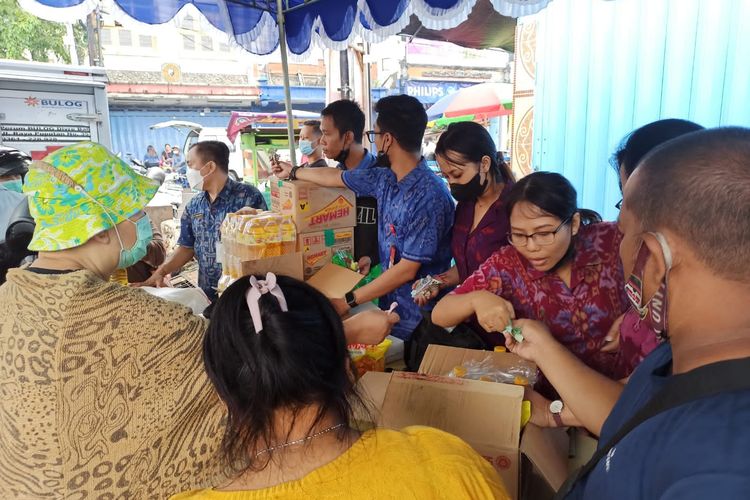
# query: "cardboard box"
542, 454
484, 414
334, 281
487, 415
317, 248
313, 207
287, 265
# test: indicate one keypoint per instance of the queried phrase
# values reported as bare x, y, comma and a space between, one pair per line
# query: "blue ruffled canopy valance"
252, 24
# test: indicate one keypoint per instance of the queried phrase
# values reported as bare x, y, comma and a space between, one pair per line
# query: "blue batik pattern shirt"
200, 223
415, 217
698, 450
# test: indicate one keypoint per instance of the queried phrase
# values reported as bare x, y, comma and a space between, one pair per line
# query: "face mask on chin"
654, 311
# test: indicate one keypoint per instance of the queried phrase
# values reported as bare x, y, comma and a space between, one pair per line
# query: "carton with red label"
313, 207
317, 248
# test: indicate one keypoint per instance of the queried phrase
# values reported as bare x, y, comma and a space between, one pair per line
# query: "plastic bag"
369, 358
486, 371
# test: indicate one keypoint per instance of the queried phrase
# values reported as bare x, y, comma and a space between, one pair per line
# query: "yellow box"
314, 207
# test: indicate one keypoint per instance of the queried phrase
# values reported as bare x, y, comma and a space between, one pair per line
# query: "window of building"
224, 47
105, 35
207, 43
146, 41
126, 38
188, 42
188, 22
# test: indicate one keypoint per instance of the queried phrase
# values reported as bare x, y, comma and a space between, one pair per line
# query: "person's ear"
348, 139
104, 237
656, 267
575, 223
485, 164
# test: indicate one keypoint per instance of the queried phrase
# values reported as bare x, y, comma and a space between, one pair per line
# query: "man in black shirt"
342, 126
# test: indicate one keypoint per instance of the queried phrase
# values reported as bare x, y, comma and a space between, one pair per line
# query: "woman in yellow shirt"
276, 354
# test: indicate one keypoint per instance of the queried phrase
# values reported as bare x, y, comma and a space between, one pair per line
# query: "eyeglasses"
618, 205
371, 135
542, 238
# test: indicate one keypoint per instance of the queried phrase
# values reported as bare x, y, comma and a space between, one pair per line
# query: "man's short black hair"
698, 187
347, 117
315, 124
215, 151
405, 118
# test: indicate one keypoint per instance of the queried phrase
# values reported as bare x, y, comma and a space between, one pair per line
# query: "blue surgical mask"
14, 185
306, 147
144, 235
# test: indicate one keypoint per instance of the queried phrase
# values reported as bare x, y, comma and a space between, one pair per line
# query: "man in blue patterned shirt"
415, 209
208, 167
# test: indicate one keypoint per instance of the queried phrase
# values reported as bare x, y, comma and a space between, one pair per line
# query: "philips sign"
430, 92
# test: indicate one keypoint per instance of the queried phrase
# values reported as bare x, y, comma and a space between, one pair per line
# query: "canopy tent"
485, 28
256, 25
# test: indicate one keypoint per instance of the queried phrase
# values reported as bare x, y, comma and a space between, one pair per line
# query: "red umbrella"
483, 100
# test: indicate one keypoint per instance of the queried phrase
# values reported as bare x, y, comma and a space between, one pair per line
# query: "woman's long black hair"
553, 194
299, 359
473, 142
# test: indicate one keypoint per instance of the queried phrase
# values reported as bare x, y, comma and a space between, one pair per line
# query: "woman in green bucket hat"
102, 386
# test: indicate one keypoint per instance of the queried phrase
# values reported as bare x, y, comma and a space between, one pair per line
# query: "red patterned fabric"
578, 316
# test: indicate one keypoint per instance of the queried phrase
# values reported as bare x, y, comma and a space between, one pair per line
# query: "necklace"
299, 441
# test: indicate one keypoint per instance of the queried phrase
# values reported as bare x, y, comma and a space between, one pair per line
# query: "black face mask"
469, 191
342, 156
382, 159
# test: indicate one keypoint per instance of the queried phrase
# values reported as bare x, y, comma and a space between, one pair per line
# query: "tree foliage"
25, 36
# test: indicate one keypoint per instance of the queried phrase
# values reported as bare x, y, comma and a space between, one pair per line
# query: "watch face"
556, 406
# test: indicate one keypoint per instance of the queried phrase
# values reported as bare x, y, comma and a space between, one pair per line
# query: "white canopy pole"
287, 90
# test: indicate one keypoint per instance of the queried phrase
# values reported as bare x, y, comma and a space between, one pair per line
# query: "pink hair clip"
262, 287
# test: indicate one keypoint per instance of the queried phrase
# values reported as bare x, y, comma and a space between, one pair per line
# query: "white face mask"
194, 178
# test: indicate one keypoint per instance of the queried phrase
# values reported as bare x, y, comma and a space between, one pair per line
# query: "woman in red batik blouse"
562, 268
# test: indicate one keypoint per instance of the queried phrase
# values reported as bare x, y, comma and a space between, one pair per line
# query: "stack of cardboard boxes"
325, 219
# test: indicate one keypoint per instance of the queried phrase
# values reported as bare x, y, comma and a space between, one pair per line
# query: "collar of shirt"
224, 194
494, 213
584, 255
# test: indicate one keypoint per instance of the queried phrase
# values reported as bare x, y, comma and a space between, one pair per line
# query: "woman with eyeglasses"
562, 267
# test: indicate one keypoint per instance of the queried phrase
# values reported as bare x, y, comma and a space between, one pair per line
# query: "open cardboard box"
334, 281
287, 265
487, 415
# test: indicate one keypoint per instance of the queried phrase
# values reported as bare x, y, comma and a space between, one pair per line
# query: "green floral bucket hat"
79, 191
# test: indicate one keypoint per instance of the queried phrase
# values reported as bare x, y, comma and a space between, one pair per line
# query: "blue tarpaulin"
253, 23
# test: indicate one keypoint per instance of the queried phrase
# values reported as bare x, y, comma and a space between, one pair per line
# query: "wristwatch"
556, 408
293, 173
351, 301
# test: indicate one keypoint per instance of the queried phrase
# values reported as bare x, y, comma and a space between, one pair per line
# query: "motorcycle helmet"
13, 161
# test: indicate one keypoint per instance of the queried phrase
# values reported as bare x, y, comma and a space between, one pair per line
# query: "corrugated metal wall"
131, 132
605, 68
